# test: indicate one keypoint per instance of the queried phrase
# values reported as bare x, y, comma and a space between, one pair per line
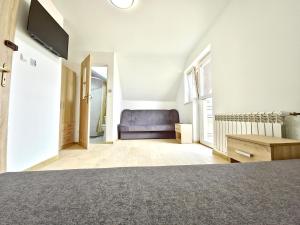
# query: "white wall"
255, 58
188, 112
50, 7
117, 98
185, 110
136, 105
33, 130
150, 77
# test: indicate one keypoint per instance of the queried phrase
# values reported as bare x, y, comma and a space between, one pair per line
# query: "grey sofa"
148, 124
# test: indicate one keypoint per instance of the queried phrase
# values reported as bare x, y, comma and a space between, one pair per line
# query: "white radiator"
265, 124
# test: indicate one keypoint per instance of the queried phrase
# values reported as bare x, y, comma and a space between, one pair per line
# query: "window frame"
205, 60
189, 92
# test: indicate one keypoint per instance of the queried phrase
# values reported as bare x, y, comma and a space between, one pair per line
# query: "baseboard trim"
67, 147
221, 154
206, 145
44, 163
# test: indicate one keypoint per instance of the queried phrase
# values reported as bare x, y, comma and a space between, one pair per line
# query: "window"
198, 89
205, 79
190, 87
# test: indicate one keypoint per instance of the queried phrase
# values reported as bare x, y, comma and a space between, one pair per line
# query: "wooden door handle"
3, 70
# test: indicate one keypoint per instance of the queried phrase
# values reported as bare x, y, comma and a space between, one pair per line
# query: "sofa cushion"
144, 128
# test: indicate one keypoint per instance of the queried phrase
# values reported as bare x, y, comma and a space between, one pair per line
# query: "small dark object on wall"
11, 45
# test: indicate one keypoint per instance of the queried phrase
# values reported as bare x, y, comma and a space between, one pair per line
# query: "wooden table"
252, 148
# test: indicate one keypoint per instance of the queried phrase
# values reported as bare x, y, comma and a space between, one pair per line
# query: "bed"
257, 193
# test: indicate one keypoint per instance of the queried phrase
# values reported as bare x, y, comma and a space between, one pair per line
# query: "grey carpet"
260, 193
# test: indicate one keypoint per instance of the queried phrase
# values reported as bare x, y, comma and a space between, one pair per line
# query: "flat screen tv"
44, 29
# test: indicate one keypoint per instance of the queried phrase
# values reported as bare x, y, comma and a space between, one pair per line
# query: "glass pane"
208, 120
205, 79
191, 86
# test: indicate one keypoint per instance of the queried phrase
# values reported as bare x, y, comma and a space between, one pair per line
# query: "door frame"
204, 61
8, 19
108, 70
84, 120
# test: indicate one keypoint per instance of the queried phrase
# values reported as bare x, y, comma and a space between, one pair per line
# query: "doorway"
206, 102
98, 105
93, 102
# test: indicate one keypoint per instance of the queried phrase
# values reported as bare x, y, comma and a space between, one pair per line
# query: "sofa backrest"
149, 117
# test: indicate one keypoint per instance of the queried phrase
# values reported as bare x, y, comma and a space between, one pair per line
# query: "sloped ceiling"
152, 39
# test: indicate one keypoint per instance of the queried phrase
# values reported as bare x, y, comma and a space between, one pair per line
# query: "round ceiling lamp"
122, 4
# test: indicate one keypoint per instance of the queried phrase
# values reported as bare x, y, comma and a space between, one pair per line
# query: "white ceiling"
152, 39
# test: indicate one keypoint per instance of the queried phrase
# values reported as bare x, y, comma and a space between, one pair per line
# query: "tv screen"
44, 29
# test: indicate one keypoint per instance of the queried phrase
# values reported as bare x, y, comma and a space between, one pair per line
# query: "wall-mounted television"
43, 28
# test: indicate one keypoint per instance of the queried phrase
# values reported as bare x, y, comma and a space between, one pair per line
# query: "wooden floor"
137, 153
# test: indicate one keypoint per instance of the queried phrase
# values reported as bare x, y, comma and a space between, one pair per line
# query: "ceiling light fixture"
122, 4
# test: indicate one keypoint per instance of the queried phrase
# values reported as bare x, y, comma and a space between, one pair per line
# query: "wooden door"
67, 107
86, 75
8, 14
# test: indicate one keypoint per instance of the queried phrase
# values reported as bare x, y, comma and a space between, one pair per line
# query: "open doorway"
93, 119
206, 102
98, 105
